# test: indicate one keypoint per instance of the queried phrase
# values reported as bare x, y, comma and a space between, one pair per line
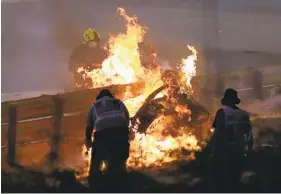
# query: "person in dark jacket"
110, 119
233, 132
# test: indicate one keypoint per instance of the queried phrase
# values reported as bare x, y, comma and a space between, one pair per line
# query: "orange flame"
124, 66
188, 69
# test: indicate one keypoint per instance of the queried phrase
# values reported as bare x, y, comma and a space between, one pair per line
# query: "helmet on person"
91, 35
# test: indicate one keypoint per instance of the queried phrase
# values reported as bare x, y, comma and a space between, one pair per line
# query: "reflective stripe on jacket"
237, 125
109, 112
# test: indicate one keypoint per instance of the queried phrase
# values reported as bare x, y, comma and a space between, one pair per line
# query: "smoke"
39, 35
266, 120
165, 64
65, 28
37, 40
268, 107
30, 60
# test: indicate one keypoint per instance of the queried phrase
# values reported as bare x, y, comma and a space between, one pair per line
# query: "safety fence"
251, 84
51, 117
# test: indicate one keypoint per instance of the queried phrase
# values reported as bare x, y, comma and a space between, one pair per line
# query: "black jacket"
85, 56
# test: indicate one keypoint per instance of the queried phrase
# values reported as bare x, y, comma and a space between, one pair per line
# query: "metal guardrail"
46, 117
42, 141
27, 143
246, 89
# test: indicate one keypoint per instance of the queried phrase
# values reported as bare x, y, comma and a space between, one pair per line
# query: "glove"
88, 143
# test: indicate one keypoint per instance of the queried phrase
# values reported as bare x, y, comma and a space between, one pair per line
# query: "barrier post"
12, 133
257, 84
56, 135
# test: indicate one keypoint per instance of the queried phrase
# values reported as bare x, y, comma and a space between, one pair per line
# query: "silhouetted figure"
88, 55
110, 119
233, 132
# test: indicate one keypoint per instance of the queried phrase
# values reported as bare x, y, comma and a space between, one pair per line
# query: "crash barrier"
56, 116
250, 83
52, 116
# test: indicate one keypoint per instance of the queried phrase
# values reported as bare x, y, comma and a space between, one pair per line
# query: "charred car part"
181, 108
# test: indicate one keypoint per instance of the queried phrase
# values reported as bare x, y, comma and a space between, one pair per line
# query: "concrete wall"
38, 36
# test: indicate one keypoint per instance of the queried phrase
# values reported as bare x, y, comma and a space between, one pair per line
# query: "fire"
182, 110
154, 149
188, 68
123, 66
124, 60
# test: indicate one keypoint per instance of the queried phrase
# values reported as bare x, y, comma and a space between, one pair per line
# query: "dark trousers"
226, 171
111, 146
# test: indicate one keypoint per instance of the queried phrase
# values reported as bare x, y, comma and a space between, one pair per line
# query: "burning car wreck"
180, 106
172, 121
169, 127
167, 123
